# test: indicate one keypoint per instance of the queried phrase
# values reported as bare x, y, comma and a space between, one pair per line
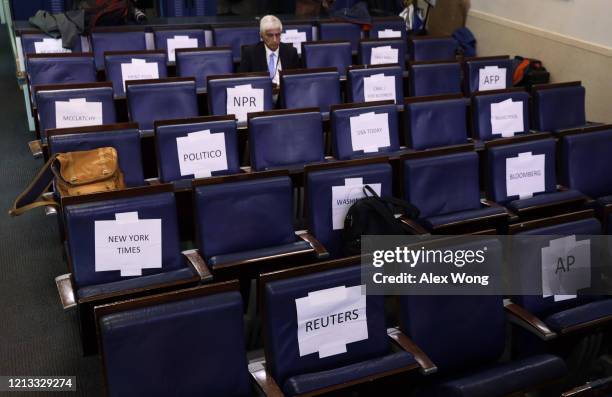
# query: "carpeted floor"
36, 336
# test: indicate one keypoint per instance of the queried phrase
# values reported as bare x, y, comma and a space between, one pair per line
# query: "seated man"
269, 55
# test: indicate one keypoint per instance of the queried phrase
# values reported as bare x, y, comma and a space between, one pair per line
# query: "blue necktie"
272, 66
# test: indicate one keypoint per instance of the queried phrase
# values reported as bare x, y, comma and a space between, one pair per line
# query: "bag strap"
409, 209
30, 198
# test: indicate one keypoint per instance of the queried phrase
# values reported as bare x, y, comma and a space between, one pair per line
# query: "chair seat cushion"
316, 380
502, 379
579, 315
439, 220
136, 282
294, 247
546, 199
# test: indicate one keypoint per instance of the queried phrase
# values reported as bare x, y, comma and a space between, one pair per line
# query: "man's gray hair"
269, 22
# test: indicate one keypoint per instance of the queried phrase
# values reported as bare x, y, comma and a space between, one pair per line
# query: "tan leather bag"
75, 174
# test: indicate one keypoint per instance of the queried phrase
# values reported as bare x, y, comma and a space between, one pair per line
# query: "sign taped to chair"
525, 175
345, 196
50, 46
566, 267
139, 69
379, 87
389, 34
77, 112
128, 244
179, 42
244, 99
491, 78
384, 54
370, 132
295, 38
200, 153
507, 118
329, 319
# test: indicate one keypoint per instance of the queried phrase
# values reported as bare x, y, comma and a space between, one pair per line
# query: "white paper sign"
491, 78
330, 319
244, 99
294, 37
389, 34
50, 46
382, 55
77, 112
345, 196
566, 267
179, 42
370, 132
128, 244
139, 69
200, 153
507, 118
379, 87
525, 175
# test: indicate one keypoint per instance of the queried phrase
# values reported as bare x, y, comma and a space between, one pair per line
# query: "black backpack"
374, 215
104, 12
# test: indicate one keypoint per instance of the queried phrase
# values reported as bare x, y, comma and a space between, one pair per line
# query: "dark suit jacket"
253, 58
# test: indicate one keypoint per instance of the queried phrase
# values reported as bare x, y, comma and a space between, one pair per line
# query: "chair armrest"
266, 382
66, 290
413, 225
576, 391
199, 264
522, 317
427, 366
319, 249
36, 148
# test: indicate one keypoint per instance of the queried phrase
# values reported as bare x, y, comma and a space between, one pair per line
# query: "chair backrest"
364, 130
331, 190
285, 138
487, 73
242, 215
203, 62
304, 88
74, 105
442, 184
388, 28
134, 65
256, 99
432, 48
123, 137
170, 40
199, 155
377, 87
296, 35
341, 31
585, 162
164, 99
558, 106
502, 105
382, 51
515, 170
329, 54
435, 121
196, 8
435, 78
235, 37
287, 300
97, 239
107, 40
40, 43
148, 344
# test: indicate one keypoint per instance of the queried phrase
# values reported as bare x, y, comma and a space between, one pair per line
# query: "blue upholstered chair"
435, 121
203, 62
235, 37
286, 138
341, 31
435, 78
481, 112
472, 67
195, 8
445, 188
366, 46
48, 96
558, 106
167, 133
179, 343
344, 116
105, 40
387, 27
114, 62
356, 89
164, 37
432, 49
327, 54
305, 32
304, 88
29, 40
163, 99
